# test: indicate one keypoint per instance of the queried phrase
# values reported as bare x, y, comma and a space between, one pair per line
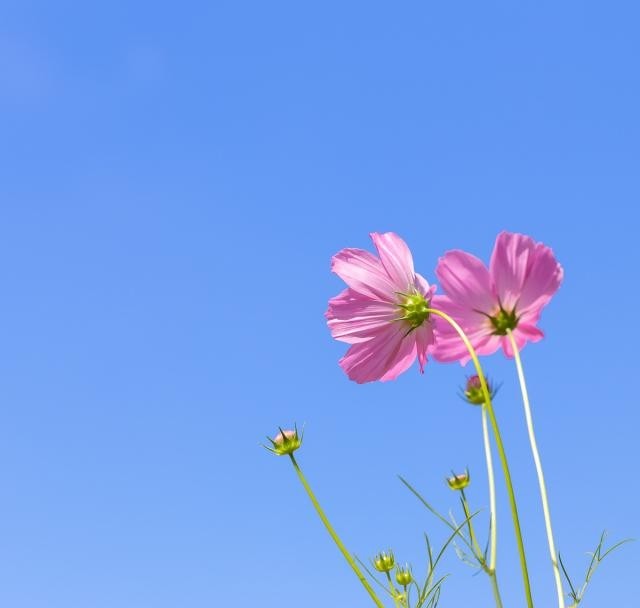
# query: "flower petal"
510, 261
422, 285
353, 318
525, 332
542, 281
465, 279
385, 356
450, 347
469, 319
396, 259
403, 360
425, 338
364, 273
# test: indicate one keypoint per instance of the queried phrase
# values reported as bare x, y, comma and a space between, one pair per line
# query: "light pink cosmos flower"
510, 294
383, 312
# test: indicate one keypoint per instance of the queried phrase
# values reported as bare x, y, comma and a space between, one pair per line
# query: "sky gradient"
173, 183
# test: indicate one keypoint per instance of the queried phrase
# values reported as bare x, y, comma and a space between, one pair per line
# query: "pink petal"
364, 273
466, 281
402, 360
388, 351
425, 338
469, 319
353, 318
450, 347
423, 287
523, 333
396, 259
542, 281
510, 261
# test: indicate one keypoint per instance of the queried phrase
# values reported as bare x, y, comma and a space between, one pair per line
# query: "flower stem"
538, 463
501, 451
476, 547
492, 490
393, 591
494, 588
334, 535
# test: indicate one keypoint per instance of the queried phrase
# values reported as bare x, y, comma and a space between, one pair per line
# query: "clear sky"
174, 179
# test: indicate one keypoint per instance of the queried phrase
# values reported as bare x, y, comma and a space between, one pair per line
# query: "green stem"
501, 451
393, 591
493, 543
472, 534
538, 463
490, 571
496, 591
334, 536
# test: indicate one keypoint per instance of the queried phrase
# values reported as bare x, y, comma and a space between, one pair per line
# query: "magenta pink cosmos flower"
383, 313
510, 294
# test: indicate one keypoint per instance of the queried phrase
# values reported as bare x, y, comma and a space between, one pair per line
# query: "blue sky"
173, 183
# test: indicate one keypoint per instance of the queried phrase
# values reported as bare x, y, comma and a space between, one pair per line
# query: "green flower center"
502, 321
415, 308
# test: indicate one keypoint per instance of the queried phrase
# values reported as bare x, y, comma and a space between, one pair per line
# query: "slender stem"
501, 451
490, 571
334, 536
472, 534
538, 463
394, 592
496, 591
492, 490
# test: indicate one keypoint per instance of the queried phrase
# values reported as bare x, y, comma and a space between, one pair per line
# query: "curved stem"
538, 463
501, 451
334, 536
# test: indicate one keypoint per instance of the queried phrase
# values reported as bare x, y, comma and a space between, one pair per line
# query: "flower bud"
473, 390
285, 442
460, 481
384, 561
403, 575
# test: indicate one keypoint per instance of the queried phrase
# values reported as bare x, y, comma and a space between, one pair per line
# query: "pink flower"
383, 312
522, 277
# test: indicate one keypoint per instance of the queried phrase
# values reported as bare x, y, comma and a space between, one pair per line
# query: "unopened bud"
384, 561
403, 575
460, 481
285, 442
473, 392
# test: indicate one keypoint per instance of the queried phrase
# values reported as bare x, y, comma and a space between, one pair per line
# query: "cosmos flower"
509, 295
383, 313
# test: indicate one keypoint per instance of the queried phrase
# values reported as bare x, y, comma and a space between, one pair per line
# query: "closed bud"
384, 561
473, 390
285, 442
460, 481
403, 575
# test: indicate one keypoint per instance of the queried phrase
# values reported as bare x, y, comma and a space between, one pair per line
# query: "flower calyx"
473, 392
503, 320
459, 481
384, 561
415, 308
286, 442
403, 575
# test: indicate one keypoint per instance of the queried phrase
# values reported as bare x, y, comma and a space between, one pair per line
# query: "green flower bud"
473, 390
384, 561
460, 481
285, 442
403, 575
